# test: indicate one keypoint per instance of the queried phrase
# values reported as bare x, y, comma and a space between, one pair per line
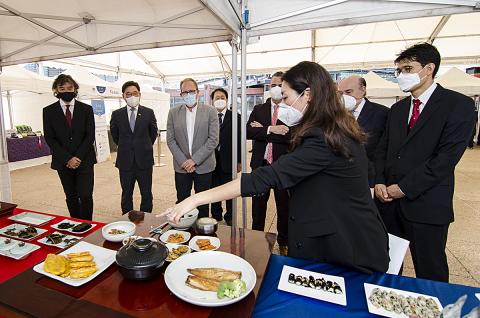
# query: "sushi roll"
318, 284
329, 286
311, 282
291, 279
298, 280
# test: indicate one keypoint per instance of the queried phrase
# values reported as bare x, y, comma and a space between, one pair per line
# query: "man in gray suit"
192, 136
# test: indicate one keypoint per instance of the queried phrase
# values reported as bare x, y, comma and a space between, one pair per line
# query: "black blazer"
224, 155
134, 147
262, 113
332, 217
68, 142
372, 120
422, 161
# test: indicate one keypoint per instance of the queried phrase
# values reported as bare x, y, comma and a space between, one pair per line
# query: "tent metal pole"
5, 186
244, 118
233, 98
10, 110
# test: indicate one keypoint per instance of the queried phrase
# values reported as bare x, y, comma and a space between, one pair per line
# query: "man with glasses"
425, 136
192, 136
134, 130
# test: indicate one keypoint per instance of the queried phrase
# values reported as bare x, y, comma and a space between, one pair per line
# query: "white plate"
171, 246
55, 226
19, 227
62, 244
13, 251
164, 236
103, 257
213, 240
176, 275
31, 218
127, 227
383, 312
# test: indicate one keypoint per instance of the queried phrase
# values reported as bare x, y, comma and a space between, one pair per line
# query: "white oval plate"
164, 237
171, 246
176, 275
213, 240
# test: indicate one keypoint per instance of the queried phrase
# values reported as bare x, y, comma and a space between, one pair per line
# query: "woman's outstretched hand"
177, 211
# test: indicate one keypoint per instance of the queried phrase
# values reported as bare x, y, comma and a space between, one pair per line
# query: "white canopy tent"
44, 30
460, 81
378, 87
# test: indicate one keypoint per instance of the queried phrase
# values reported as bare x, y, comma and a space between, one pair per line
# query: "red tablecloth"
10, 267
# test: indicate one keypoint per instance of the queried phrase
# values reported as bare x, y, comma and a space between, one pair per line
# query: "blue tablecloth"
26, 148
272, 302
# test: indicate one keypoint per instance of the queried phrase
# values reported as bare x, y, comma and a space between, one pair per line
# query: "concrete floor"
38, 188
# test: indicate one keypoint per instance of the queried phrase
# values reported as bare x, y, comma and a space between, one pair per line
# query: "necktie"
269, 145
415, 113
220, 121
68, 115
132, 118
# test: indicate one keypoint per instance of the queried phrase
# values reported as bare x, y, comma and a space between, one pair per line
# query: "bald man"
370, 116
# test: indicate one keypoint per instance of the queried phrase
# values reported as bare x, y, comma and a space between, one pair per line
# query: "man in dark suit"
223, 153
370, 116
425, 137
271, 139
69, 129
134, 130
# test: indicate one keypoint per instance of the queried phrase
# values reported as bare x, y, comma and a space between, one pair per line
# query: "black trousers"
259, 212
427, 242
200, 182
144, 179
78, 187
220, 177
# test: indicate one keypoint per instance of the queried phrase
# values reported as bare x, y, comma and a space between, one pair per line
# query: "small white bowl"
126, 226
186, 221
171, 246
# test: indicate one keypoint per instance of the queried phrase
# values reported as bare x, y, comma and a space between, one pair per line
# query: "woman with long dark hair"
332, 217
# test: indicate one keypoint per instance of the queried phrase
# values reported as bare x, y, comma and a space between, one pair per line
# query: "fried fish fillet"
85, 258
79, 254
82, 272
81, 264
218, 274
202, 283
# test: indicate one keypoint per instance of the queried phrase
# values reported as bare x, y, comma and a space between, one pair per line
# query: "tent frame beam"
44, 26
143, 29
150, 64
223, 61
438, 28
44, 40
298, 12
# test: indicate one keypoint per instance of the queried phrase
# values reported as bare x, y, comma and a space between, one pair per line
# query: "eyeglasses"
185, 93
136, 94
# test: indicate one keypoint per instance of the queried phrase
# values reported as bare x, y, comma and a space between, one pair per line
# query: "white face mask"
133, 101
290, 115
220, 104
190, 99
407, 81
276, 93
350, 102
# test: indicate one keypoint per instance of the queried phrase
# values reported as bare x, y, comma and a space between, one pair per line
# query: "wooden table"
110, 295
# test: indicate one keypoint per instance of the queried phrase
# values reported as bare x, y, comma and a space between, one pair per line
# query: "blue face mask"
190, 99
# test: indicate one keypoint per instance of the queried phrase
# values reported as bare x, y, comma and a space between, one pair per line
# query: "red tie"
68, 115
415, 113
269, 145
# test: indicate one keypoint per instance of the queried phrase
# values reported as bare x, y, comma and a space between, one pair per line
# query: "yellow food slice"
82, 272
82, 264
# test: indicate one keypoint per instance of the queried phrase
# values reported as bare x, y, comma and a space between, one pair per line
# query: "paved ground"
38, 188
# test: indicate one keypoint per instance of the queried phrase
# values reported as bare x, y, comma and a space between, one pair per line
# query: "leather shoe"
283, 250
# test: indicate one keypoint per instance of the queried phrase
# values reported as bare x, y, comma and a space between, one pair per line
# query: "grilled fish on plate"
219, 274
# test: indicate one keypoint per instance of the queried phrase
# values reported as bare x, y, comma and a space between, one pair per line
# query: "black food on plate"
55, 238
81, 227
319, 283
28, 232
65, 225
291, 278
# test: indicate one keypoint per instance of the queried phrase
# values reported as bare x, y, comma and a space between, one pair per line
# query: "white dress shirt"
64, 107
265, 155
190, 121
423, 98
358, 110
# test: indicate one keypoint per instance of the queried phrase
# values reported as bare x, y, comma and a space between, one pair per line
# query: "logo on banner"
98, 107
101, 89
